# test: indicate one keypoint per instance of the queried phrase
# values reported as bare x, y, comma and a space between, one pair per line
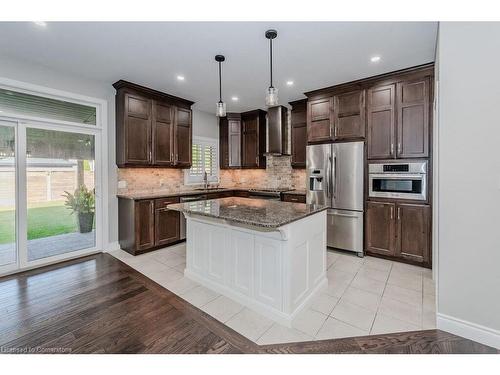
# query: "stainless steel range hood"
278, 143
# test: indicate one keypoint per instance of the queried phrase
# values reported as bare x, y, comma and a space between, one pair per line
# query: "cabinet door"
380, 228
299, 144
234, 143
381, 122
250, 138
163, 134
144, 224
137, 122
167, 222
413, 119
319, 120
413, 232
349, 114
183, 137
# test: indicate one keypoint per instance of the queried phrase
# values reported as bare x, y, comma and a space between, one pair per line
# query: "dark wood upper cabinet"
167, 222
349, 115
380, 228
381, 120
299, 133
253, 139
135, 116
183, 137
413, 231
152, 128
230, 141
413, 102
163, 130
320, 120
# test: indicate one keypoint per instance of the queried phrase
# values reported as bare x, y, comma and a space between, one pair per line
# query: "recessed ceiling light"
289, 83
234, 98
40, 23
375, 59
180, 78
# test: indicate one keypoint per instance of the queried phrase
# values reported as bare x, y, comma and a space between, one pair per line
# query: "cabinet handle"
150, 155
399, 147
335, 131
392, 148
392, 213
399, 213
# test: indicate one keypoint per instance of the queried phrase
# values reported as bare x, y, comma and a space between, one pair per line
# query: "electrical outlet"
122, 184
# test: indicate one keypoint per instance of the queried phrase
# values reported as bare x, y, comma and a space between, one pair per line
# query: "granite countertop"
170, 193
255, 212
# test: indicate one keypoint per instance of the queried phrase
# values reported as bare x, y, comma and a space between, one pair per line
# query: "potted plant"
82, 202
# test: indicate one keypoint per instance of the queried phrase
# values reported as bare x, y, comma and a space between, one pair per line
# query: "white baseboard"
471, 331
112, 246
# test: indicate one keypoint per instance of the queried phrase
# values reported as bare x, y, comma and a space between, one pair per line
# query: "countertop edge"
249, 223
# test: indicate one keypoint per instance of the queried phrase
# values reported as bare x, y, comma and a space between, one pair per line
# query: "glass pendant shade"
221, 109
271, 96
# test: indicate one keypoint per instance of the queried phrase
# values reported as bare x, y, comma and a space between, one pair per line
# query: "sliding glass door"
49, 208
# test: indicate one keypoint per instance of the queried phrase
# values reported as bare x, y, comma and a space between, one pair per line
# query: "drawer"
296, 198
164, 202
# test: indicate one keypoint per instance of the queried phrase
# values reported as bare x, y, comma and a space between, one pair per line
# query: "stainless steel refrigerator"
335, 178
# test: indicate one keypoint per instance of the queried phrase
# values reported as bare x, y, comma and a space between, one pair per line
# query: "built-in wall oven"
398, 180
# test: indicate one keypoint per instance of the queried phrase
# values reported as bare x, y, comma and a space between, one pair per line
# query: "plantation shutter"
205, 159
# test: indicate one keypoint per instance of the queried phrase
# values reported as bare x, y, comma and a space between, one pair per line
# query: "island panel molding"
276, 272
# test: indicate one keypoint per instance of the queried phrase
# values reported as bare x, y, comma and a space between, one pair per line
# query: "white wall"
205, 125
469, 181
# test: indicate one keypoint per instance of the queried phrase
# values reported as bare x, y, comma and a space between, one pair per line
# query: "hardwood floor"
98, 304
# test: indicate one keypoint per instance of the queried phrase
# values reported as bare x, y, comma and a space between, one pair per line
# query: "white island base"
275, 272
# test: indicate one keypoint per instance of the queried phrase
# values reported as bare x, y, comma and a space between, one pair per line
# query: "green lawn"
44, 220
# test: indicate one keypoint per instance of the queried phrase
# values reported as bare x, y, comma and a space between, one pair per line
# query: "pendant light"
221, 106
272, 92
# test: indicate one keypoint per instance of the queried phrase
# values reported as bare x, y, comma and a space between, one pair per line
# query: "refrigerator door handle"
334, 176
329, 177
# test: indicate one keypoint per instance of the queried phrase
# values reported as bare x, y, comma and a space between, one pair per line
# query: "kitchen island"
265, 254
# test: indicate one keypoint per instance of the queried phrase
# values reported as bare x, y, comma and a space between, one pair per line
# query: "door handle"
335, 176
343, 215
392, 213
399, 213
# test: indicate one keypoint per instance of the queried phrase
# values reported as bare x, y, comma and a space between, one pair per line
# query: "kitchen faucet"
205, 179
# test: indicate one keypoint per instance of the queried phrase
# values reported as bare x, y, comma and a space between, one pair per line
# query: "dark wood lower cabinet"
167, 222
380, 228
399, 231
414, 232
147, 224
294, 198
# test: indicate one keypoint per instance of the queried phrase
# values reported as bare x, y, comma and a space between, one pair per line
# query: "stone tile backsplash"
278, 174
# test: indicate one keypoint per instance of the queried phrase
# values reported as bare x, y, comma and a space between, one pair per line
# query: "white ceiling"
313, 55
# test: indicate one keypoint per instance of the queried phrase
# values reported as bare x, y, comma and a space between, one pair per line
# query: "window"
204, 159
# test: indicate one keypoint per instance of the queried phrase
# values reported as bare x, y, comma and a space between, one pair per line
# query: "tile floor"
365, 296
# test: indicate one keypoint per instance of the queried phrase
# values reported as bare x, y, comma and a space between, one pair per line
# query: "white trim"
469, 330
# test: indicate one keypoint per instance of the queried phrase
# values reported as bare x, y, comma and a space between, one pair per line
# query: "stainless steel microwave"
404, 180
